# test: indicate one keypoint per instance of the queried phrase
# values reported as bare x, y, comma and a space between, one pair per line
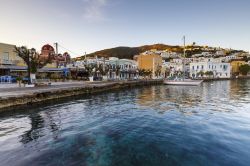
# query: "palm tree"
158, 71
117, 71
201, 73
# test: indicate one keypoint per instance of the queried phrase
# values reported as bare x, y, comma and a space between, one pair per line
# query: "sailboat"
183, 81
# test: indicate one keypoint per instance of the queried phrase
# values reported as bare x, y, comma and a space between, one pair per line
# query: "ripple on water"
158, 125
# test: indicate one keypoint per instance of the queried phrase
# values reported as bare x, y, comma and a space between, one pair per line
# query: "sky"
81, 26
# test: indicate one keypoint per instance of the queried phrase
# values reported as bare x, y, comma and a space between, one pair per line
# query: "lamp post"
32, 53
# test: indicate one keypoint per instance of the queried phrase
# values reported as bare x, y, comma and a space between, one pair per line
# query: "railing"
42, 82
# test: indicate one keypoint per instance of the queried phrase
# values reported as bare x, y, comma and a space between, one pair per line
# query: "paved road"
14, 91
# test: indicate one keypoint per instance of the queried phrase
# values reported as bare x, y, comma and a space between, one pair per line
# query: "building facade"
152, 62
236, 66
9, 61
122, 69
210, 69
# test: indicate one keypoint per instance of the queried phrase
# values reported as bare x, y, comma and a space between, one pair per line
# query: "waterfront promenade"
11, 95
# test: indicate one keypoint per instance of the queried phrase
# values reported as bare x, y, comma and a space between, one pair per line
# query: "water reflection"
153, 125
39, 122
239, 89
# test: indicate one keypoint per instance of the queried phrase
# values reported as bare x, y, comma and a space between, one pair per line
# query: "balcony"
6, 62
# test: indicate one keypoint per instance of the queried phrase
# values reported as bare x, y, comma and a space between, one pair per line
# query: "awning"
51, 70
14, 68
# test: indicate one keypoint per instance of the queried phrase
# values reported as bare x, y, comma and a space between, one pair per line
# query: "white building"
230, 57
119, 68
169, 54
175, 68
219, 69
220, 53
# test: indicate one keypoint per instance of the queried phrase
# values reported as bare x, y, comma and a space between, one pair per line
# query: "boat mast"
184, 51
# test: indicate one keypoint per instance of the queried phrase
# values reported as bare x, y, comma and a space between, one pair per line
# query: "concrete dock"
11, 96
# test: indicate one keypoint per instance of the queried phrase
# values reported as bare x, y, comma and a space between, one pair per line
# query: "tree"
148, 73
90, 69
117, 71
209, 73
32, 59
142, 72
201, 73
158, 71
244, 69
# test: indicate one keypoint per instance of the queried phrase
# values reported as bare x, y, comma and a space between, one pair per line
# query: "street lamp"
32, 53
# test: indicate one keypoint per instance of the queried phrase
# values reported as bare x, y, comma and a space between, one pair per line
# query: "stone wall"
49, 94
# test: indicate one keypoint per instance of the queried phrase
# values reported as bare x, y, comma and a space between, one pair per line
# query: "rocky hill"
129, 52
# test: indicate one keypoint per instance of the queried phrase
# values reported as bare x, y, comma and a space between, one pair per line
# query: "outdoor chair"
8, 79
2, 79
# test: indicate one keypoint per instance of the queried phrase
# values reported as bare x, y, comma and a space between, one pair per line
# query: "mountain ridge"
123, 52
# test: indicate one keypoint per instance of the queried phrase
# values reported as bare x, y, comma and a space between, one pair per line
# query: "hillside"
129, 52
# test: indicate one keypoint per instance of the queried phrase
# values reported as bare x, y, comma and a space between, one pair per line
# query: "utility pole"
85, 58
56, 45
153, 67
184, 51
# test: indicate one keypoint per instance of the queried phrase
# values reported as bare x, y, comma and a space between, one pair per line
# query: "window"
202, 67
193, 67
5, 56
197, 67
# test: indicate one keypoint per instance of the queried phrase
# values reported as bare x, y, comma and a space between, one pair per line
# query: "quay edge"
7, 103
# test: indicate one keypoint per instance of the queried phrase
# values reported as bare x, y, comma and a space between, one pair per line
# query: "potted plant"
19, 80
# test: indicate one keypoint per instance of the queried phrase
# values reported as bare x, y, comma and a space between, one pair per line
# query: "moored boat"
185, 82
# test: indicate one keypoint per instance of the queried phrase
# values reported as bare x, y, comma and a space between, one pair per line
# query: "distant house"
230, 57
220, 53
169, 54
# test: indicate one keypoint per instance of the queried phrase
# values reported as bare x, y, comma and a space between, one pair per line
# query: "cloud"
94, 10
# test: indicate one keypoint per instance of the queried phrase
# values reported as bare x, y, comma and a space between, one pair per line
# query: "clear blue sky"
90, 25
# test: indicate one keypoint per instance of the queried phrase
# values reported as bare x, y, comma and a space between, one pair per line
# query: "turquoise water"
146, 126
